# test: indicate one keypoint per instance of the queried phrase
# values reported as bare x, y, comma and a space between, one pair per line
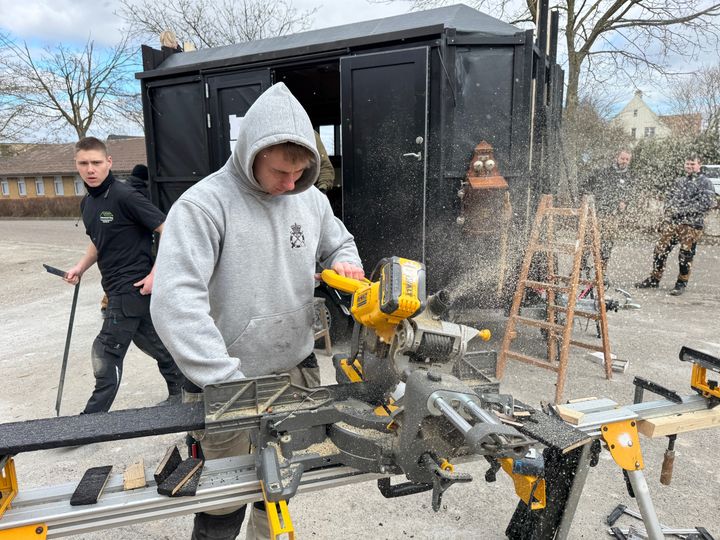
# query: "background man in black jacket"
614, 192
690, 198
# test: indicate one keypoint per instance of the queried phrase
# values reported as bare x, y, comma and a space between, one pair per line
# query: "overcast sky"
53, 21
48, 22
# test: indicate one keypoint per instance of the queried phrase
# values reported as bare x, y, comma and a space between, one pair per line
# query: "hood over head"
276, 117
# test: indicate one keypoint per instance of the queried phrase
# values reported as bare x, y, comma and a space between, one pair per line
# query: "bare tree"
59, 87
210, 23
699, 93
607, 39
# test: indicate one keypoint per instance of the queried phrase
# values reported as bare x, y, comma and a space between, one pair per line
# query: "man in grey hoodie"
234, 282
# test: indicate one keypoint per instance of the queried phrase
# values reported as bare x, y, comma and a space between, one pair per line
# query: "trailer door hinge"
209, 124
207, 91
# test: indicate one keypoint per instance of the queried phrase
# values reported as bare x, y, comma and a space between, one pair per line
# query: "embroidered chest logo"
106, 216
297, 237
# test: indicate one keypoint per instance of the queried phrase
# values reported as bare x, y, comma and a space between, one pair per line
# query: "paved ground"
34, 315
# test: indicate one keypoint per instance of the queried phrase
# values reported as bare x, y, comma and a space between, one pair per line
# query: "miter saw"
411, 399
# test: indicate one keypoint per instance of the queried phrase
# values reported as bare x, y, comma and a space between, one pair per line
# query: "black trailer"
403, 102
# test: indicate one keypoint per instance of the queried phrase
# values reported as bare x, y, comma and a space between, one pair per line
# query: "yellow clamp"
624, 444
8, 484
278, 517
526, 486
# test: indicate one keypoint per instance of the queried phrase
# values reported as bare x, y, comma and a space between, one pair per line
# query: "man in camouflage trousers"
690, 198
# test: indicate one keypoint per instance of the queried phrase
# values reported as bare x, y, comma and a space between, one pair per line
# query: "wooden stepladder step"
561, 291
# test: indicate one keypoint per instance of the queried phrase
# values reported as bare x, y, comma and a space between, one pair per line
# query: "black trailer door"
229, 97
384, 134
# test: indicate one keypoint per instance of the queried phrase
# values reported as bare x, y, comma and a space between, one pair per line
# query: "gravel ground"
34, 315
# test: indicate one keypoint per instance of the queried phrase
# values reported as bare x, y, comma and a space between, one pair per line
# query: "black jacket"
690, 198
609, 187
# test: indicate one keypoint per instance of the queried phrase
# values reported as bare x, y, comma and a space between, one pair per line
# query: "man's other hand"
348, 270
145, 284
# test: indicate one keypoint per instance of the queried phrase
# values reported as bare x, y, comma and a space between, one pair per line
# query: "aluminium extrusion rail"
224, 482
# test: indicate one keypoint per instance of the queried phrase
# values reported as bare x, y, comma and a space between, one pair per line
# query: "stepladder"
562, 263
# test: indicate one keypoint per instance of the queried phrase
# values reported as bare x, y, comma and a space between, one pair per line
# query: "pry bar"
56, 271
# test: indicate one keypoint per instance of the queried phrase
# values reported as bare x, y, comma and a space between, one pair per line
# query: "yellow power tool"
381, 305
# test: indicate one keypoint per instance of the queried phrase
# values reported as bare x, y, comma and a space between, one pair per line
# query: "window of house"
635, 112
5, 187
59, 188
21, 187
649, 131
79, 187
633, 132
39, 186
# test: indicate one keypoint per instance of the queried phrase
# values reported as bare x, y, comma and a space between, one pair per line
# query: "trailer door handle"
416, 155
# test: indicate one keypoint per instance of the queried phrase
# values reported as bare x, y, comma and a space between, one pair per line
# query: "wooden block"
571, 416
680, 423
168, 464
182, 473
90, 487
618, 365
134, 476
189, 488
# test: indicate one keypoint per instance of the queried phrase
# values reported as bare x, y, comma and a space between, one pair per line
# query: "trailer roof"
462, 18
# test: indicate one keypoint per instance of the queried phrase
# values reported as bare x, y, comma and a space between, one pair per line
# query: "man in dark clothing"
690, 198
120, 223
613, 191
138, 179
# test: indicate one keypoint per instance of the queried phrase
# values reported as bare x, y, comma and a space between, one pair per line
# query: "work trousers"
672, 234
225, 523
126, 320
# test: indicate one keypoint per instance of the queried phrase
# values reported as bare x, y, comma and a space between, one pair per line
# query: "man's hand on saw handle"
348, 270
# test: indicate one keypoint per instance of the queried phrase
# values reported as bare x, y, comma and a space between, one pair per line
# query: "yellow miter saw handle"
342, 283
398, 294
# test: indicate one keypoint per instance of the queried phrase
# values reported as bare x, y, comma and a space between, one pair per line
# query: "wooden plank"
91, 486
134, 476
571, 416
189, 488
679, 423
31, 435
168, 464
180, 476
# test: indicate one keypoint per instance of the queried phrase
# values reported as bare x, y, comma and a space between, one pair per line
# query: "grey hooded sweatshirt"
234, 279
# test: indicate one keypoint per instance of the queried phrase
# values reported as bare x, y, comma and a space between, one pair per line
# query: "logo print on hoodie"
297, 237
